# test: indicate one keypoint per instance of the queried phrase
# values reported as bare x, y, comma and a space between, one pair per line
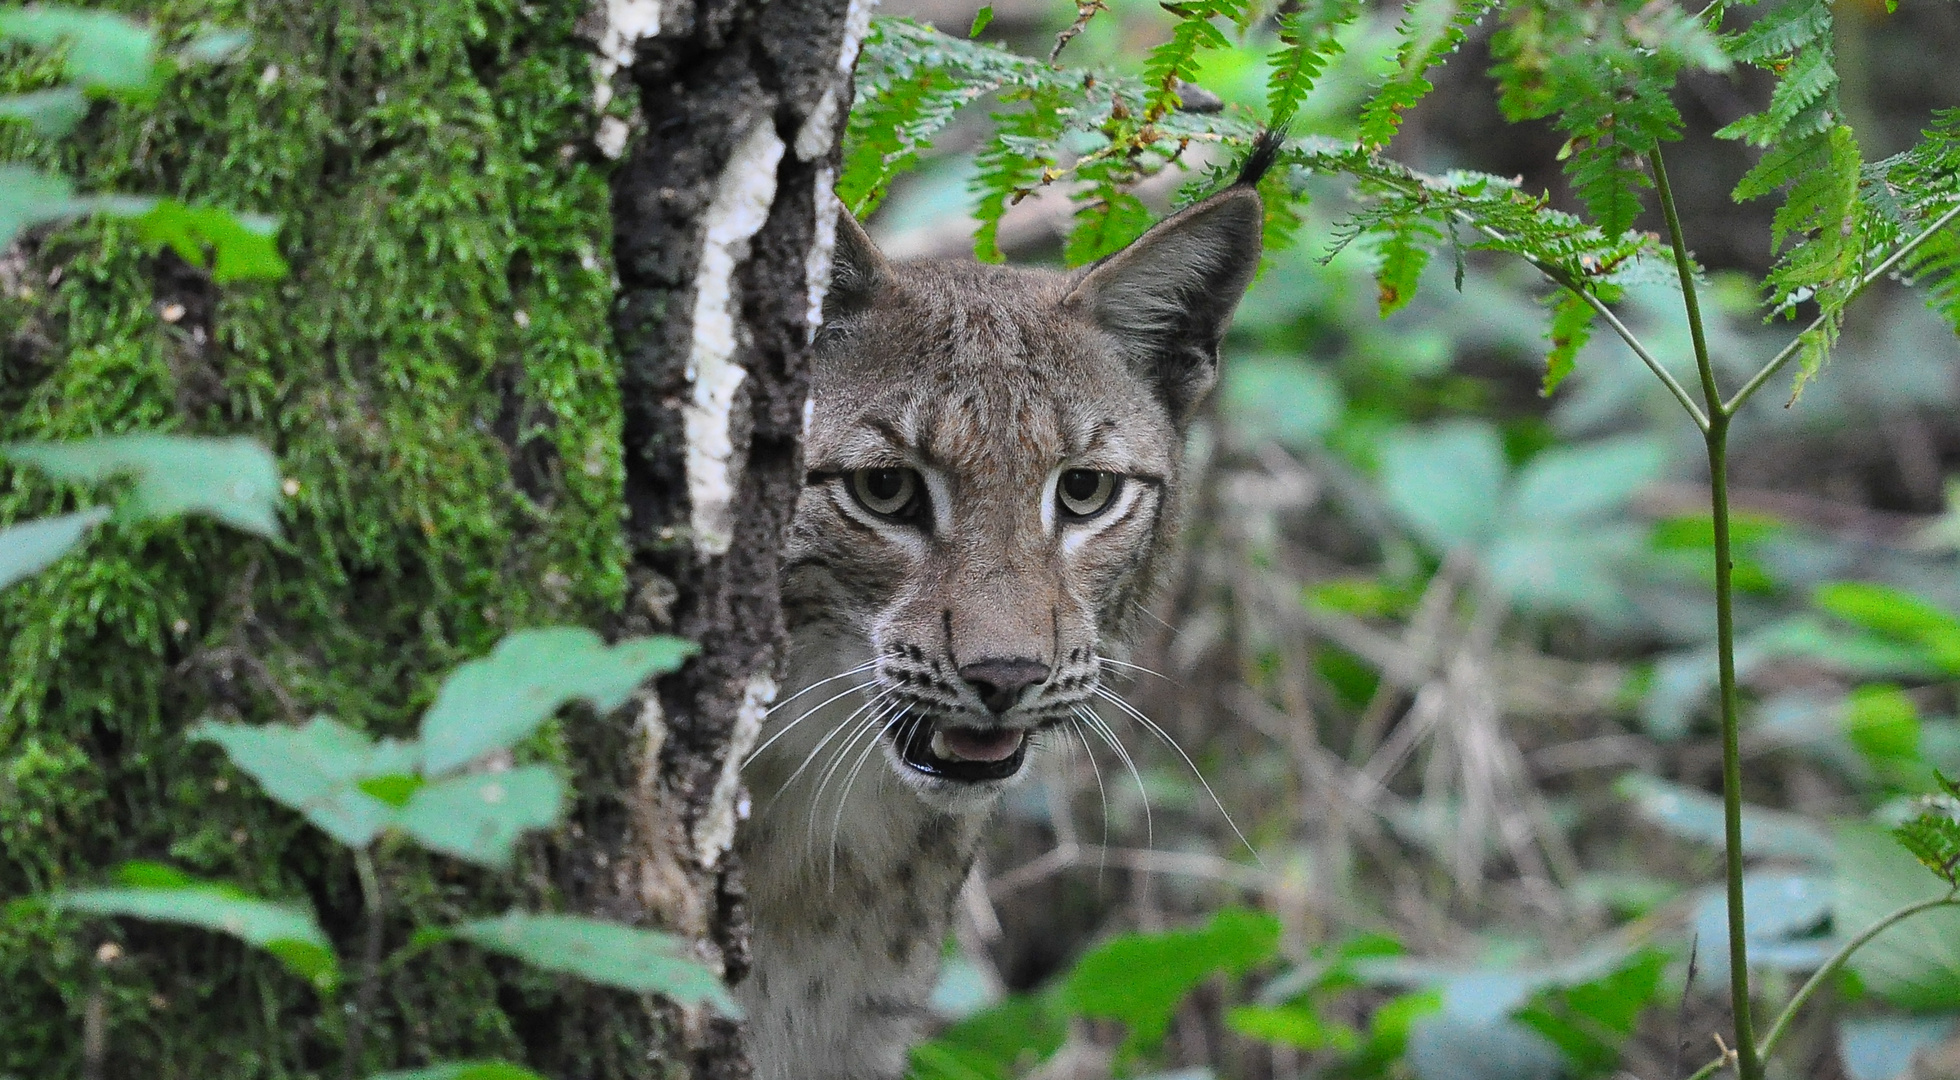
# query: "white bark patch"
626, 24
717, 828
816, 265
814, 137
736, 213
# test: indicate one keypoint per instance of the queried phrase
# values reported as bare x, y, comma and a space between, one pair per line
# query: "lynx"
993, 460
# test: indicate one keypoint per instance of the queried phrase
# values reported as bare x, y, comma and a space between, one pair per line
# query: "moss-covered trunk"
441, 377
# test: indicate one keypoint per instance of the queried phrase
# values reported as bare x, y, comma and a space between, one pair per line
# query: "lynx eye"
1084, 493
892, 493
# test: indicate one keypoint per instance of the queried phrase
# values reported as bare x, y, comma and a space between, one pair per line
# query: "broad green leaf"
1882, 1047
998, 1043
980, 20
29, 196
1569, 484
1446, 481
607, 953
215, 46
51, 113
288, 931
1140, 978
1289, 401
1589, 1021
245, 244
29, 548
1569, 568
492, 703
318, 770
1915, 964
1697, 816
1298, 1025
1882, 724
104, 50
1784, 914
462, 1070
480, 816
1896, 614
232, 479
1444, 1046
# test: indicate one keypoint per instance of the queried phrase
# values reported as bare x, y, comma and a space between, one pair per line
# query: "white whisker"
1102, 796
844, 796
837, 758
1103, 732
1135, 667
833, 733
1107, 695
806, 714
866, 666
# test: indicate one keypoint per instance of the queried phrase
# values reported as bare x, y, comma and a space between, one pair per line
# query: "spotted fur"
988, 381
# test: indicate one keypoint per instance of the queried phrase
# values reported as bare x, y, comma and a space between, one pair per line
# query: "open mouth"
965, 754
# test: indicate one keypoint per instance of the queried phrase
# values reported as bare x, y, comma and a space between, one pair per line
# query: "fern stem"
1837, 960
1558, 276
1685, 266
1790, 351
1748, 1064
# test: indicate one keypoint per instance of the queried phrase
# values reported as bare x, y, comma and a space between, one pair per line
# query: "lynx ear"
1168, 296
857, 268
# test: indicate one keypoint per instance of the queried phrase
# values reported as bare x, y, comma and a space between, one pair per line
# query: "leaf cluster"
109, 56
356, 789
1106, 131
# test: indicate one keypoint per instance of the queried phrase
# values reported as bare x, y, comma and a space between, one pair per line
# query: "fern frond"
1781, 32
1431, 30
1809, 85
1570, 329
1176, 60
1904, 195
1308, 41
1605, 71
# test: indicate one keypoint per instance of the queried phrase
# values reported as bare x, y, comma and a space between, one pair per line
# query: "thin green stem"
1837, 960
1790, 351
1559, 277
1685, 266
372, 899
1748, 1065
1817, 979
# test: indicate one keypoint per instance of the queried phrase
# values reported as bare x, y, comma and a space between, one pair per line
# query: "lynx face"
993, 466
992, 473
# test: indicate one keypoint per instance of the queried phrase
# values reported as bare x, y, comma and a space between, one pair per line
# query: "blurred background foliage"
1443, 645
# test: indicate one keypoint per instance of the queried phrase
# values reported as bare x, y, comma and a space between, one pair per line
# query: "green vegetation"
1561, 707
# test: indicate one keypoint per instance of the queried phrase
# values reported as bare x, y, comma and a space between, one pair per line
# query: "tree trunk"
448, 378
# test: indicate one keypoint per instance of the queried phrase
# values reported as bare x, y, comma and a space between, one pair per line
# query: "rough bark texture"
439, 379
721, 78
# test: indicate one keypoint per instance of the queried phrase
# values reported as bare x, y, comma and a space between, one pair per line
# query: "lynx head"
993, 461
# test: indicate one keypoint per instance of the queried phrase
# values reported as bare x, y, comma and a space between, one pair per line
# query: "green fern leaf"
1308, 42
1781, 32
1809, 85
1571, 327
1402, 255
1431, 30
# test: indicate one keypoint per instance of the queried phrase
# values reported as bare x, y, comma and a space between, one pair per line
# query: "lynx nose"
1000, 682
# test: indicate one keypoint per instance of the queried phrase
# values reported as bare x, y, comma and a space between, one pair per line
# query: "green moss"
435, 378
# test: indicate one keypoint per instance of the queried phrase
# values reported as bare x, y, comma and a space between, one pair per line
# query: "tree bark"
723, 227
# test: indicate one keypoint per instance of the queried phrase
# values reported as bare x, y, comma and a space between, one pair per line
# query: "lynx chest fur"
992, 473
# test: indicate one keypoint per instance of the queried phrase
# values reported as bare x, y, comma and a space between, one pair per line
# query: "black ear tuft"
1168, 297
857, 268
1265, 151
